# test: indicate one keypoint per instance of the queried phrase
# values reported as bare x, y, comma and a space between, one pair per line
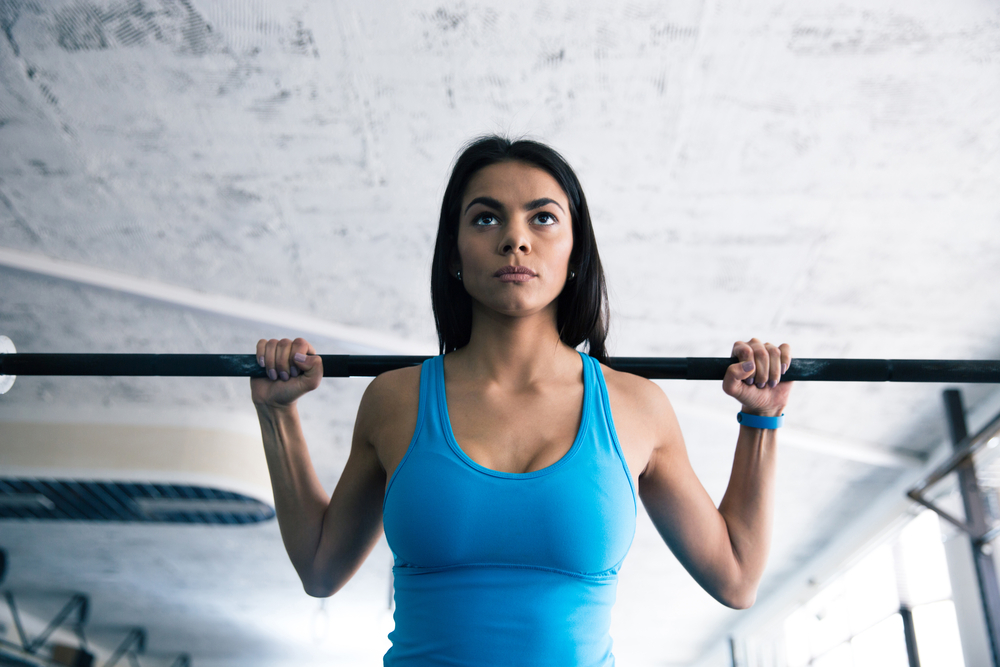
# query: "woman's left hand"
755, 379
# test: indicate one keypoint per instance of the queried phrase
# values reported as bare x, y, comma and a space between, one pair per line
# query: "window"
860, 619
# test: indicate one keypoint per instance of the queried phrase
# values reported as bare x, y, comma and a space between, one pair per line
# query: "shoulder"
395, 383
634, 392
392, 392
643, 417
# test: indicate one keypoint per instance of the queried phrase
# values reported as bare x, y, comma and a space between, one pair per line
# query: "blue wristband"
758, 421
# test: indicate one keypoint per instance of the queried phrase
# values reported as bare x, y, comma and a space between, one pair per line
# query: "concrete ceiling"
191, 175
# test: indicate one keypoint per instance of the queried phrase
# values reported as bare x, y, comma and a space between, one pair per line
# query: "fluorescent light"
27, 501
174, 505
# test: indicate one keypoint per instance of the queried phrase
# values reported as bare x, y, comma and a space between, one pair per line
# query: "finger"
300, 356
786, 357
269, 351
763, 362
774, 368
300, 362
261, 344
281, 357
738, 371
744, 354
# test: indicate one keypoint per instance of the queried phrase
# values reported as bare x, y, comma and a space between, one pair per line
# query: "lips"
514, 274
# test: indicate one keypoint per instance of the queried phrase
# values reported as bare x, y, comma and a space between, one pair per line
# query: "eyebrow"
485, 201
538, 203
530, 206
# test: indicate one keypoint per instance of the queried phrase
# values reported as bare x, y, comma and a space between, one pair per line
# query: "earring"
572, 274
458, 274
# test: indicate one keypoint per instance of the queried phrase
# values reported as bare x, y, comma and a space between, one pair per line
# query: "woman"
506, 490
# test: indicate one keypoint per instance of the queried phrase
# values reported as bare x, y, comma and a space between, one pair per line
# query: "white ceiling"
820, 173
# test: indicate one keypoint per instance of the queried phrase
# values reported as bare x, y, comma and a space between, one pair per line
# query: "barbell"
13, 364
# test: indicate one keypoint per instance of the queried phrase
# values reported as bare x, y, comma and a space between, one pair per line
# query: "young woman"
506, 471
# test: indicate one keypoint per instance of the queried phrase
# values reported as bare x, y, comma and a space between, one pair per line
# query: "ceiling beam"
841, 448
357, 337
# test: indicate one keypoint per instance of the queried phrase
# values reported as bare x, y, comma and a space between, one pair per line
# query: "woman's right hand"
293, 369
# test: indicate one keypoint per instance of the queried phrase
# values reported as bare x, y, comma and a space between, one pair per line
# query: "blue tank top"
498, 568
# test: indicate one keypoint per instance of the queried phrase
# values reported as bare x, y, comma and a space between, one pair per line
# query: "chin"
520, 309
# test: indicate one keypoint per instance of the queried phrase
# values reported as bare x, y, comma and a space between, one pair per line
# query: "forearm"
299, 499
748, 507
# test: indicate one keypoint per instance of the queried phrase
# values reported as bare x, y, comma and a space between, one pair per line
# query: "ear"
454, 261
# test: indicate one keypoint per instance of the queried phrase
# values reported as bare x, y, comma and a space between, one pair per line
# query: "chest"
515, 432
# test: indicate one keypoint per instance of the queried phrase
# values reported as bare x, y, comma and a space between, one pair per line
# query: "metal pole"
975, 516
22, 635
910, 634
135, 636
341, 365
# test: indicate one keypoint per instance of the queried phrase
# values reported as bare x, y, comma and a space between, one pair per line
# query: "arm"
725, 549
327, 539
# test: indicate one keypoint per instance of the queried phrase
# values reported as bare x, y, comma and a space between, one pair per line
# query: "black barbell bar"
342, 365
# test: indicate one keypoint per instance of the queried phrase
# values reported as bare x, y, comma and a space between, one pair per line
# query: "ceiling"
192, 175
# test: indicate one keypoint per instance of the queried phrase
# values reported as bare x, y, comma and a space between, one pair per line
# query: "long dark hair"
583, 304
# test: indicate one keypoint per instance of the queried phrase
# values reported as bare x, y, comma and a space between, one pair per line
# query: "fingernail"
784, 367
283, 375
293, 371
299, 357
747, 366
772, 384
761, 385
748, 381
273, 374
260, 361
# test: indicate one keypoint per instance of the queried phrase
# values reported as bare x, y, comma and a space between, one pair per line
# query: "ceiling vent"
131, 502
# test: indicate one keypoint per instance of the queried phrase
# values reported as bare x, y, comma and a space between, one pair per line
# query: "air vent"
133, 502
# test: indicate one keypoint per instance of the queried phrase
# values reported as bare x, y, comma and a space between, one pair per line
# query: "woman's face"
514, 215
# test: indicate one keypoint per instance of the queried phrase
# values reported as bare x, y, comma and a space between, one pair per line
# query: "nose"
515, 238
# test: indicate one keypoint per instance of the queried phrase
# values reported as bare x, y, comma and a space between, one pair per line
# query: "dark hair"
583, 304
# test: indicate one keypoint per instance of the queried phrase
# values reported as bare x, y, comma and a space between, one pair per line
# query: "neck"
515, 349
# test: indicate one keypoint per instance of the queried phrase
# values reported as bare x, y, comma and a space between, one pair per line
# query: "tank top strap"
603, 420
432, 389
427, 410
435, 410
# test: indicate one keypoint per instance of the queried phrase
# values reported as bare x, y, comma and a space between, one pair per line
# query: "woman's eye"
545, 219
484, 219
